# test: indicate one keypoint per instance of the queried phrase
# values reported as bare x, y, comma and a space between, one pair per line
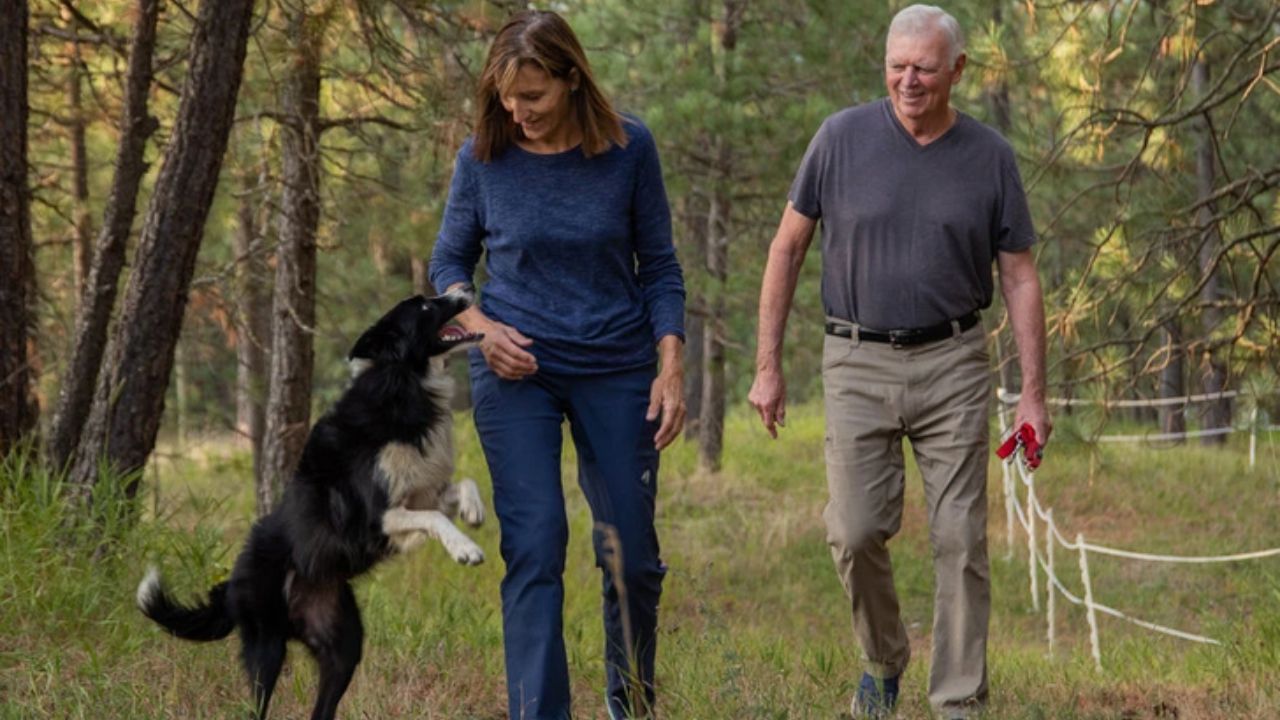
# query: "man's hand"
769, 397
1032, 412
777, 289
504, 350
1020, 285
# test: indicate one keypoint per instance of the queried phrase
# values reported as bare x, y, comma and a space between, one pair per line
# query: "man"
916, 201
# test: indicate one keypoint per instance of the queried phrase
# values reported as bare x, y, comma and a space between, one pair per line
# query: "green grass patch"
754, 622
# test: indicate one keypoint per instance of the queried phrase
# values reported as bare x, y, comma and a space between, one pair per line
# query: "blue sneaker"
875, 698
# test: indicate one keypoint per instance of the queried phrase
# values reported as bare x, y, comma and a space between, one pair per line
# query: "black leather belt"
905, 338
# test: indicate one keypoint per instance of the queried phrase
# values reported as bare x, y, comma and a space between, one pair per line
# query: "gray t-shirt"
909, 232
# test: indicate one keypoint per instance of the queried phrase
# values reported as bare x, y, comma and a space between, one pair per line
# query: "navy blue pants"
519, 424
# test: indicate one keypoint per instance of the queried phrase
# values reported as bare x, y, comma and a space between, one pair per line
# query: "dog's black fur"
368, 484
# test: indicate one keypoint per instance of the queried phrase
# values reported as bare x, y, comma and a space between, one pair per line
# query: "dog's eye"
426, 307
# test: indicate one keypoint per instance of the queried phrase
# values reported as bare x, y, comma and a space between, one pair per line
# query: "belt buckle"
897, 338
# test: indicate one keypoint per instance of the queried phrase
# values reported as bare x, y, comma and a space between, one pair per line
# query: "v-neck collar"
910, 140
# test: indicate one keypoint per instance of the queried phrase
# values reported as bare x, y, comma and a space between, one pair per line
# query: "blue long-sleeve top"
579, 251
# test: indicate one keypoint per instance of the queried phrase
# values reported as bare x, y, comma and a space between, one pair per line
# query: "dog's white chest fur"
421, 472
421, 498
417, 475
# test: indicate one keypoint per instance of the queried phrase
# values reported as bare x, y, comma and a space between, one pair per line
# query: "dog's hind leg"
337, 649
263, 656
462, 499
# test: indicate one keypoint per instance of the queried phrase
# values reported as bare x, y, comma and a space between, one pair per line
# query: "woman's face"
539, 104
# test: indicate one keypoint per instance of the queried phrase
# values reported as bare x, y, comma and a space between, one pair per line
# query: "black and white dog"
374, 480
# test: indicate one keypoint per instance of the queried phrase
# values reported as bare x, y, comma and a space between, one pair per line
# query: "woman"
566, 198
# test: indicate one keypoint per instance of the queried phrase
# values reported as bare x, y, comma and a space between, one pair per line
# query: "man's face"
919, 76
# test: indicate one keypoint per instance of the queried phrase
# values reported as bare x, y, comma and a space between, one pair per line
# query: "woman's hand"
504, 350
503, 346
666, 396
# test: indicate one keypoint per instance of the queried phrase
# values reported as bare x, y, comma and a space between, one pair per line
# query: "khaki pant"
936, 395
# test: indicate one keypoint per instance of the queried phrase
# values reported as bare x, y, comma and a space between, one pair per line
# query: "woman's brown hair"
546, 40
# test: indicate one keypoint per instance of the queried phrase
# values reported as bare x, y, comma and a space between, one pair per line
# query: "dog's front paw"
470, 506
464, 550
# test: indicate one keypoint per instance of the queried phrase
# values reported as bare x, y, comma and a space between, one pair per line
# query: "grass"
754, 623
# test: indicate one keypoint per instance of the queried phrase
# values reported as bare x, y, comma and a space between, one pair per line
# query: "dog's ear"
365, 346
399, 336
383, 341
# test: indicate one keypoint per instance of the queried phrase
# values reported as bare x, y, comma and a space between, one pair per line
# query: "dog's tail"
210, 621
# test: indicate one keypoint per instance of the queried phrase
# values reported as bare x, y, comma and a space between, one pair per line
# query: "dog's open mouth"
455, 335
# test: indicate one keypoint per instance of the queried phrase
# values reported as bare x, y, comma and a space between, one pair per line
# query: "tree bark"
253, 329
695, 246
17, 273
418, 271
182, 404
293, 309
129, 398
82, 241
711, 420
1216, 413
711, 414
93, 315
997, 92
1172, 383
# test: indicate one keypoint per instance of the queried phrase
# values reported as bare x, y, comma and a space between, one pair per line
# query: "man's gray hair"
920, 19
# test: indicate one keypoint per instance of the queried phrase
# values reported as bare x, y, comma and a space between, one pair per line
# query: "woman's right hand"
504, 349
503, 346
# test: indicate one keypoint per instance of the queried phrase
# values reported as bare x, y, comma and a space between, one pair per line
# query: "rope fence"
1010, 398
1026, 512
1254, 428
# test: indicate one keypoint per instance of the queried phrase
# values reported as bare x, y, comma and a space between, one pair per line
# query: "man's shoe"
875, 698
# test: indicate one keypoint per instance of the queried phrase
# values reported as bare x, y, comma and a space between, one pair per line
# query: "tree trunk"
128, 401
418, 270
695, 246
997, 92
711, 422
81, 242
1172, 384
389, 260
293, 309
94, 313
17, 273
182, 404
1216, 413
253, 329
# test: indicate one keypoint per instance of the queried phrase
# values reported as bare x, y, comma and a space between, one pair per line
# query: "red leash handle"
1024, 437
1009, 445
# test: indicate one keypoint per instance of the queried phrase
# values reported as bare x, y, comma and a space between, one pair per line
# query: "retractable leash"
1024, 437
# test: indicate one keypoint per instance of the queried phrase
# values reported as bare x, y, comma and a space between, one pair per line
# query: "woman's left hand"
667, 397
